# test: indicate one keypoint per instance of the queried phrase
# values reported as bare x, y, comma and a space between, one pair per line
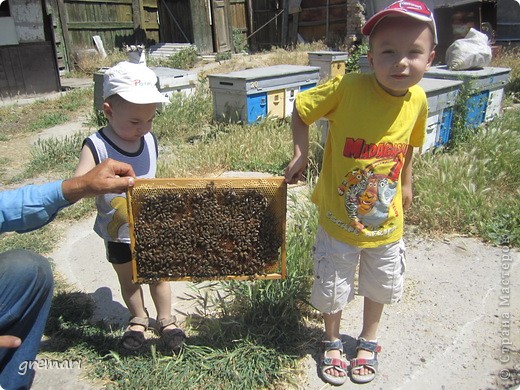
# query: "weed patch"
40, 241
473, 189
55, 154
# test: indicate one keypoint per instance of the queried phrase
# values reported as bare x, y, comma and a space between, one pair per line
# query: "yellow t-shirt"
358, 193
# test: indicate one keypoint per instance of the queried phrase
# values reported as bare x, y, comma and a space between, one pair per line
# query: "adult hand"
110, 176
10, 342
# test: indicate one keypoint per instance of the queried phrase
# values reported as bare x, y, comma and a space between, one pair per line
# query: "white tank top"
112, 212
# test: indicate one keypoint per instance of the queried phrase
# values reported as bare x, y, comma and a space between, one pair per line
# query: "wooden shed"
205, 23
24, 37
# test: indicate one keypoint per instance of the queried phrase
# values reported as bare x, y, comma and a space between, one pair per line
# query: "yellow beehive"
207, 228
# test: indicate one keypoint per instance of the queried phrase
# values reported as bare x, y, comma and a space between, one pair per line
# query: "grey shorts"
380, 279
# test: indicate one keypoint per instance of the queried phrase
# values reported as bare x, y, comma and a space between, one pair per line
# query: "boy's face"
401, 50
128, 120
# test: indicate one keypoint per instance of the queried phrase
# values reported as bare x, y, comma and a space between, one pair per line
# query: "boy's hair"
115, 100
135, 83
413, 9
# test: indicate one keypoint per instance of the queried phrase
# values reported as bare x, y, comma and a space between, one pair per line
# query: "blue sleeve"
30, 207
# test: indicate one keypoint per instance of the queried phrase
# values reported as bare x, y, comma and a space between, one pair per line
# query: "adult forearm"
30, 207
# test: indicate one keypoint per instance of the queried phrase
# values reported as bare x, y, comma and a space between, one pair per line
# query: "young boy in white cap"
130, 103
375, 121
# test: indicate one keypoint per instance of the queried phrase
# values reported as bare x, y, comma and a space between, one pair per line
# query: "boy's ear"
107, 110
370, 60
430, 59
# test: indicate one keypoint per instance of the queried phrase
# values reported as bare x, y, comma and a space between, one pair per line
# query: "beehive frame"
271, 194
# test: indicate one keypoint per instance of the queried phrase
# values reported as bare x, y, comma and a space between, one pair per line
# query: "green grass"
44, 113
223, 147
473, 189
509, 59
185, 119
55, 155
39, 241
183, 59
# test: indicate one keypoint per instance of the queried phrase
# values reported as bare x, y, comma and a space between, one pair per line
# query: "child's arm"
406, 178
300, 131
86, 161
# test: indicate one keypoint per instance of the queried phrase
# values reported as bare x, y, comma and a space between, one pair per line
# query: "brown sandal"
172, 338
134, 339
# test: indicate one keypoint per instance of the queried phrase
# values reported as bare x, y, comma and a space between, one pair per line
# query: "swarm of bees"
207, 233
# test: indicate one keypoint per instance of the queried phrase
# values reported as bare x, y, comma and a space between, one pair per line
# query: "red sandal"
339, 364
371, 363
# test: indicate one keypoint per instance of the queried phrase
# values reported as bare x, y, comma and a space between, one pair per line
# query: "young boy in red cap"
365, 183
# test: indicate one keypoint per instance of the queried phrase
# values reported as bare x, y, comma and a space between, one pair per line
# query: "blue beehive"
253, 94
441, 95
485, 86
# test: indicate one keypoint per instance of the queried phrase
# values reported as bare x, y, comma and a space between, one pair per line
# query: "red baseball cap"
413, 9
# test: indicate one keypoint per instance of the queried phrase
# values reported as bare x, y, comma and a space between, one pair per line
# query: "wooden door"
221, 26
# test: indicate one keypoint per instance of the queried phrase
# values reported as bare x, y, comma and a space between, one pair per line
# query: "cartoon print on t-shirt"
368, 196
119, 218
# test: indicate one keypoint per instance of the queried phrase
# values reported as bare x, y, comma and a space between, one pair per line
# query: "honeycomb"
203, 229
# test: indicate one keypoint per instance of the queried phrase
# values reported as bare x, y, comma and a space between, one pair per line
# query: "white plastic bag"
472, 51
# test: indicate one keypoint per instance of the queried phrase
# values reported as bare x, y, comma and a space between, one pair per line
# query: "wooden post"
285, 23
139, 22
251, 28
293, 29
65, 31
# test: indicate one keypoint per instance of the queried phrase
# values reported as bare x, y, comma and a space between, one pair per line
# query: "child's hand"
407, 196
295, 169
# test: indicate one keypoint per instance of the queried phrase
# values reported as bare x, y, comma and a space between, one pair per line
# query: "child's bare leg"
131, 292
372, 312
162, 297
332, 325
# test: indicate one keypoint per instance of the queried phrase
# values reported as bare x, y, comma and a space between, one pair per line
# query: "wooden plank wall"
54, 29
21, 74
323, 20
239, 17
267, 24
113, 20
175, 21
